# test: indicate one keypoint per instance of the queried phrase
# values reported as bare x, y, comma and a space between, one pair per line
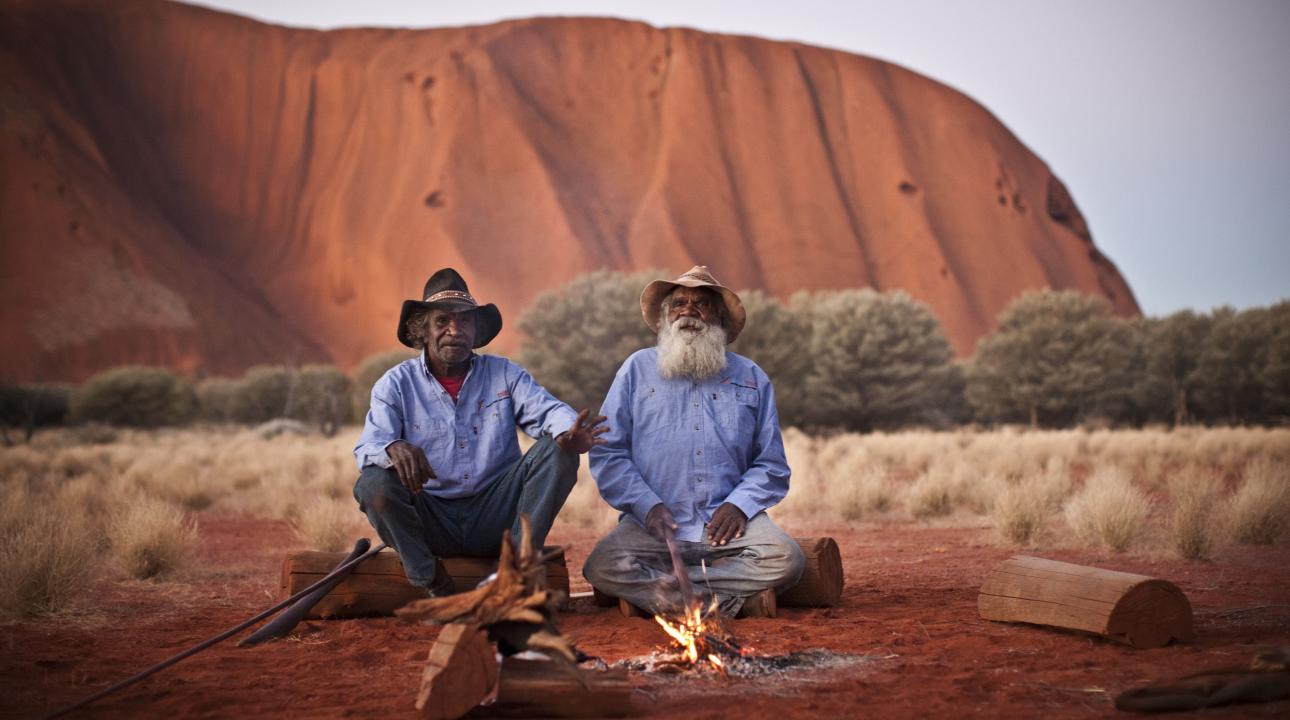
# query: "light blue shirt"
691, 445
468, 443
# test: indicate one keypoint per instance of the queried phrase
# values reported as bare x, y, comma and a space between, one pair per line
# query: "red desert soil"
909, 605
225, 193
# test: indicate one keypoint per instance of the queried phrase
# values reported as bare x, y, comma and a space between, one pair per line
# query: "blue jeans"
421, 526
632, 564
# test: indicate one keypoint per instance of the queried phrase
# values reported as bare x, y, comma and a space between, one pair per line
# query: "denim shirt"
691, 445
468, 443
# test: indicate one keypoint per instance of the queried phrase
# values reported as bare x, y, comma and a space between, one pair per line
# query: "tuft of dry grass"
930, 495
1022, 512
150, 537
328, 524
1109, 510
1260, 510
1193, 495
45, 560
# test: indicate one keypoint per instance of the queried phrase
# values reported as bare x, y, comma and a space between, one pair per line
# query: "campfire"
699, 639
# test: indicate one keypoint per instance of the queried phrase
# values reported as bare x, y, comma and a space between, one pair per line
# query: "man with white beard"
693, 456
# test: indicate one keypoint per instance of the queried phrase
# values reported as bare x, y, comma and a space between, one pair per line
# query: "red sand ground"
910, 604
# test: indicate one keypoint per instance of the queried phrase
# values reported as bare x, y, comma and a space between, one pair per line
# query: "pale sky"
1168, 120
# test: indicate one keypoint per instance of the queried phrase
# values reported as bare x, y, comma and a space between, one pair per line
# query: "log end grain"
822, 579
1151, 614
460, 672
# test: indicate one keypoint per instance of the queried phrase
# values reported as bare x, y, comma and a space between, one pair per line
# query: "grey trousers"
420, 527
632, 564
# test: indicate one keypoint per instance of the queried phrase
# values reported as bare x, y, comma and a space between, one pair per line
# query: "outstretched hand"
584, 434
728, 523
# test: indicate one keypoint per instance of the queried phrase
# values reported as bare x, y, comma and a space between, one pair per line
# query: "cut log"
536, 688
1133, 609
379, 587
821, 583
460, 673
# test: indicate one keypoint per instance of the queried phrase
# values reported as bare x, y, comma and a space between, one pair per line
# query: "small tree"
1230, 370
778, 339
320, 395
1275, 376
579, 334
264, 394
27, 407
368, 372
1171, 348
134, 396
877, 362
1056, 358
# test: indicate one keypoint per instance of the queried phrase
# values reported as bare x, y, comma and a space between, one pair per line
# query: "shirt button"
698, 452
461, 444
696, 403
696, 427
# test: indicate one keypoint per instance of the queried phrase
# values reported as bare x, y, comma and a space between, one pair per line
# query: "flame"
688, 633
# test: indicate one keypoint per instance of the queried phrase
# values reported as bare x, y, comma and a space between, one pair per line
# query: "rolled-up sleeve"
383, 426
537, 412
620, 481
765, 483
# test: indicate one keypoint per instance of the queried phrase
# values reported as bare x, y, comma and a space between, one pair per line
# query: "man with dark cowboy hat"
694, 455
441, 472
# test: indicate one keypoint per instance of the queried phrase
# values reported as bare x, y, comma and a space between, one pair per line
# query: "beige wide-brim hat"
696, 277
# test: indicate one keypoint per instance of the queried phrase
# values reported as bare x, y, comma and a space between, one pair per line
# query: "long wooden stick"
341, 569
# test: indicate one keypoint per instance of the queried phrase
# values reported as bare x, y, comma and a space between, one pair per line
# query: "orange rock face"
193, 189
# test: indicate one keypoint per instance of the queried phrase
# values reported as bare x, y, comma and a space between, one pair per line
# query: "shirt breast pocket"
737, 408
429, 433
653, 415
499, 410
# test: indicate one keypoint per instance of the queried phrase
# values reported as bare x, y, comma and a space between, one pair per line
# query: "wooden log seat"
379, 587
820, 585
1133, 609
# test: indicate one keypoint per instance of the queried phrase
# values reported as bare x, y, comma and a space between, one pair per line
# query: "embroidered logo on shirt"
504, 394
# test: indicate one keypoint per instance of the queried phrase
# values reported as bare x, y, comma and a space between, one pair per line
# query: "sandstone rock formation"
200, 190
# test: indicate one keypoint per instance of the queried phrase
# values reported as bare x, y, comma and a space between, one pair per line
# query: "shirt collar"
425, 364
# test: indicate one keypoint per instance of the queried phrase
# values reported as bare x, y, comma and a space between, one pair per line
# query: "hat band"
451, 295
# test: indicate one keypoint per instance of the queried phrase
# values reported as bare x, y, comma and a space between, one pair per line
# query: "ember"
699, 637
748, 665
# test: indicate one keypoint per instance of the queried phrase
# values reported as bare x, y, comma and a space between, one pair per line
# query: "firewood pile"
510, 613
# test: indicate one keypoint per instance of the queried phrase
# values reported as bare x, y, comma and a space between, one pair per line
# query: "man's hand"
584, 434
728, 523
411, 464
660, 523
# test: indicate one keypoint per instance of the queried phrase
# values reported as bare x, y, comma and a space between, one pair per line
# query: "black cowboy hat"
445, 290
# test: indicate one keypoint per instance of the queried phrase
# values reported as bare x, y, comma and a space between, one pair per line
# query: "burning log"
1133, 609
379, 587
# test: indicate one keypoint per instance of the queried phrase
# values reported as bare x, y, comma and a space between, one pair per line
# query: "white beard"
698, 355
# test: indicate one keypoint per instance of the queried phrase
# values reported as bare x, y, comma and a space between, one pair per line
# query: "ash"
749, 666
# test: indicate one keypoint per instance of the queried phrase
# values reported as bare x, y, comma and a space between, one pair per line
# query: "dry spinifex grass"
150, 537
1260, 510
1109, 510
47, 558
1192, 526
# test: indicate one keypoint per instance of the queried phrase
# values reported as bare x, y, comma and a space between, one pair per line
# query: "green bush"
320, 395
134, 396
775, 338
263, 394
1057, 358
368, 372
581, 333
877, 361
217, 399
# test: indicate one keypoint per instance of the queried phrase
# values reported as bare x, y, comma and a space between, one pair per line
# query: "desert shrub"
579, 334
326, 524
930, 495
869, 491
264, 394
134, 396
1023, 511
777, 338
877, 361
151, 537
1193, 496
320, 396
1260, 510
1275, 373
1057, 358
28, 407
46, 560
217, 399
1108, 510
368, 372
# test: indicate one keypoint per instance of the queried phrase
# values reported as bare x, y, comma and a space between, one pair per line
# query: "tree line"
855, 360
